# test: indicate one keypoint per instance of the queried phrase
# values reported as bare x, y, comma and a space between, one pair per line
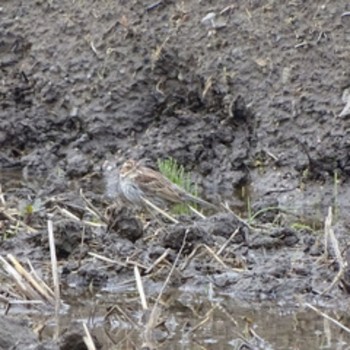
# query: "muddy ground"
250, 103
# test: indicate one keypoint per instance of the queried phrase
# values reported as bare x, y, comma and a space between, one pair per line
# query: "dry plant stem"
37, 285
227, 314
158, 261
67, 213
127, 339
43, 284
190, 257
81, 246
346, 329
237, 334
217, 258
153, 6
117, 262
70, 215
330, 238
25, 302
9, 292
21, 223
9, 217
158, 89
153, 206
107, 334
166, 282
205, 320
127, 317
331, 241
154, 313
197, 212
91, 208
140, 288
25, 288
334, 282
225, 206
56, 283
2, 198
88, 339
93, 48
257, 336
212, 253
157, 53
223, 247
327, 228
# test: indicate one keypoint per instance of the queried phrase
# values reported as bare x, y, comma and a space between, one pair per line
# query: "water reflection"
191, 321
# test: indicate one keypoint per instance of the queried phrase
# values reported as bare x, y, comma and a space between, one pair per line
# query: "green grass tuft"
176, 174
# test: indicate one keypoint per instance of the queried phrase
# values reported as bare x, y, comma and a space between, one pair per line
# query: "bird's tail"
200, 201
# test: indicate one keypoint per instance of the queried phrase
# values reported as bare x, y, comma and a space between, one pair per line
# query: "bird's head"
127, 167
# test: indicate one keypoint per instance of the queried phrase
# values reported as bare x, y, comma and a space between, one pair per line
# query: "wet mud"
250, 102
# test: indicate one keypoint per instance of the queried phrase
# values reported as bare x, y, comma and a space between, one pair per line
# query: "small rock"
346, 99
209, 19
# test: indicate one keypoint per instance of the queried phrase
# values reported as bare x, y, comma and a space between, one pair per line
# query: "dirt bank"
249, 102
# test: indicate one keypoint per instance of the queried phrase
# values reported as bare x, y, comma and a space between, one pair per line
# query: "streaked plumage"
136, 182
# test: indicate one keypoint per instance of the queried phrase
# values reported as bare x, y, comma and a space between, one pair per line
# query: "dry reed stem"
17, 221
140, 288
257, 336
20, 281
212, 253
208, 84
160, 211
158, 261
152, 321
88, 339
227, 208
122, 312
38, 285
337, 323
217, 258
70, 215
190, 257
36, 276
158, 51
194, 210
234, 322
55, 277
228, 241
204, 320
91, 208
128, 263
2, 197
331, 242
9, 217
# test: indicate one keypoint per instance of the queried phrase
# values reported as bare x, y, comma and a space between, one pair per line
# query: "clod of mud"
279, 237
68, 237
174, 237
124, 223
224, 225
204, 231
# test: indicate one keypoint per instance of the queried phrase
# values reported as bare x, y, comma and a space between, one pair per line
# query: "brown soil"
250, 104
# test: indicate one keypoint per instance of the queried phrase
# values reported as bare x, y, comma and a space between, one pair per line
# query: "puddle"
191, 321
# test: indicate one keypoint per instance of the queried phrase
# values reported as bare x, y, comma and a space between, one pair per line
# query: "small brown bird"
137, 183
